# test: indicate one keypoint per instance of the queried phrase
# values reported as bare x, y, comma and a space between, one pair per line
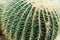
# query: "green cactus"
1, 11
23, 21
0, 16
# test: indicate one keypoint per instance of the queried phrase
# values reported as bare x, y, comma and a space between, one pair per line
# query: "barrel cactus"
30, 20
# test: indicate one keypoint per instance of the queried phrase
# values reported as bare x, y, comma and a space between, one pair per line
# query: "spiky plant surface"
1, 11
0, 15
30, 20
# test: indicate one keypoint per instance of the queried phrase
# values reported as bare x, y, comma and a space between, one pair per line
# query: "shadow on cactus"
30, 20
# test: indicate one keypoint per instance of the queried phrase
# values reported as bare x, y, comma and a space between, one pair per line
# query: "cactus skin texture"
22, 21
0, 13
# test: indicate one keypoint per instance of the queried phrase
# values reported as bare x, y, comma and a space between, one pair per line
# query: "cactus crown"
43, 3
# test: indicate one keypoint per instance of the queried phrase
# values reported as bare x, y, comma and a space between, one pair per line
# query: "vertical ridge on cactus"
31, 20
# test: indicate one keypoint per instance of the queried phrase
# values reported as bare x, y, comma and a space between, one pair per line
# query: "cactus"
1, 11
26, 20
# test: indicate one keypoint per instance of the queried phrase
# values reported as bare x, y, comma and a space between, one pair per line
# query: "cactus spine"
25, 21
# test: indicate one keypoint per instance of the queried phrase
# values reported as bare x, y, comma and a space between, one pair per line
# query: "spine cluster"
22, 21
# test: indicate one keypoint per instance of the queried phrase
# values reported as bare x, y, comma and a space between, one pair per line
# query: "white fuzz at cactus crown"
44, 3
51, 4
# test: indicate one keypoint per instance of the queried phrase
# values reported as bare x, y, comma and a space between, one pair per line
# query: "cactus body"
23, 21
